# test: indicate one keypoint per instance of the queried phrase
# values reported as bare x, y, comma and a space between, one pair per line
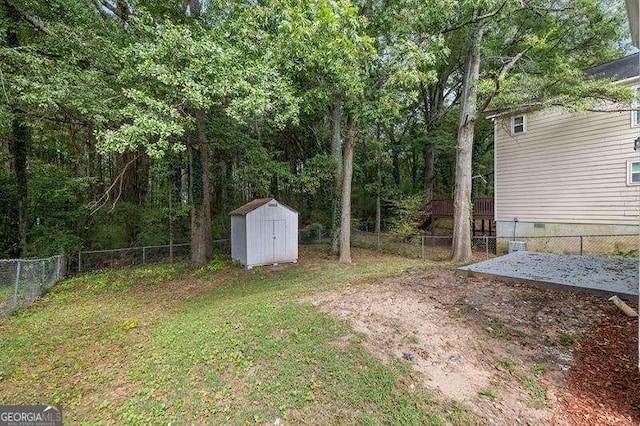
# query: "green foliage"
405, 217
317, 174
188, 67
265, 74
257, 170
8, 215
557, 47
312, 233
213, 266
56, 204
123, 280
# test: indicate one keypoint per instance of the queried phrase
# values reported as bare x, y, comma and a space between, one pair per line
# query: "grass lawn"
5, 291
219, 345
5, 294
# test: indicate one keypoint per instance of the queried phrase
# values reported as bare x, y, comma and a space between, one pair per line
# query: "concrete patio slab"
595, 274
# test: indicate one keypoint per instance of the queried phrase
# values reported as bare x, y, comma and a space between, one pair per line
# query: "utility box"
517, 246
264, 232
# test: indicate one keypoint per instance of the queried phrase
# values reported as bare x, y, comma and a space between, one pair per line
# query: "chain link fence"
313, 236
103, 259
583, 245
93, 260
23, 280
423, 247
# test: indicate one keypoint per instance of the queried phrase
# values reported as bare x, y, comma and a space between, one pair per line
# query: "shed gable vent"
273, 205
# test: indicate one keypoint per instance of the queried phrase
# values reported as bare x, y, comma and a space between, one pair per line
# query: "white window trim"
635, 115
629, 163
513, 124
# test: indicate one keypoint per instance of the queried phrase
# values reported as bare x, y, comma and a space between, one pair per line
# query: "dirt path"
502, 349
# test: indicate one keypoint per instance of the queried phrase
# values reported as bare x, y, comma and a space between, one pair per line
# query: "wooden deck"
443, 209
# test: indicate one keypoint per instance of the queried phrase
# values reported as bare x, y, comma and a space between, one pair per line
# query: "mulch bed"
603, 388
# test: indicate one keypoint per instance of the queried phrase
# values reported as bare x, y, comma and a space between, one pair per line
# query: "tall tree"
176, 74
19, 136
543, 47
336, 153
347, 174
461, 248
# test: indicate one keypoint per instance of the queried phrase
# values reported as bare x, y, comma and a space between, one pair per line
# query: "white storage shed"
264, 232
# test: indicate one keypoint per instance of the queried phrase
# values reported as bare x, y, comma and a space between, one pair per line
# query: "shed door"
274, 234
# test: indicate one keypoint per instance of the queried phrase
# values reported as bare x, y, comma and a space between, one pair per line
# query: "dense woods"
136, 122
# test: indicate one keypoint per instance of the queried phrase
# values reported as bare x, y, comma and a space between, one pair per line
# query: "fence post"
58, 267
378, 242
79, 261
44, 267
486, 246
15, 288
144, 255
422, 251
580, 245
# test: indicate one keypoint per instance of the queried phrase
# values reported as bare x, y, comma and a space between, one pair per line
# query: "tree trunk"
100, 188
170, 191
347, 170
461, 248
429, 173
201, 240
90, 149
431, 114
336, 153
18, 145
433, 109
378, 203
6, 155
184, 185
219, 183
378, 226
414, 169
395, 157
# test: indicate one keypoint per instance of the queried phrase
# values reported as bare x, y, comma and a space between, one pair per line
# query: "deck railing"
443, 208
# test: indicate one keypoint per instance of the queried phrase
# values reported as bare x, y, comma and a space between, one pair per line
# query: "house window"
518, 124
635, 114
633, 172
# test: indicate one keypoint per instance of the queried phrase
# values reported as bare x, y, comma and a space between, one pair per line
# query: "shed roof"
620, 69
252, 205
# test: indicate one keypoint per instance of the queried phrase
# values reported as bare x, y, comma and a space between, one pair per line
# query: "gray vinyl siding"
567, 168
239, 239
258, 252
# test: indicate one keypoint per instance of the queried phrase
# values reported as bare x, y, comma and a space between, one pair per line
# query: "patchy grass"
569, 339
496, 329
164, 344
411, 340
491, 394
5, 295
531, 380
5, 292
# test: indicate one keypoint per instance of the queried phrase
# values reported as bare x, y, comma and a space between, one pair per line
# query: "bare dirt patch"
503, 349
